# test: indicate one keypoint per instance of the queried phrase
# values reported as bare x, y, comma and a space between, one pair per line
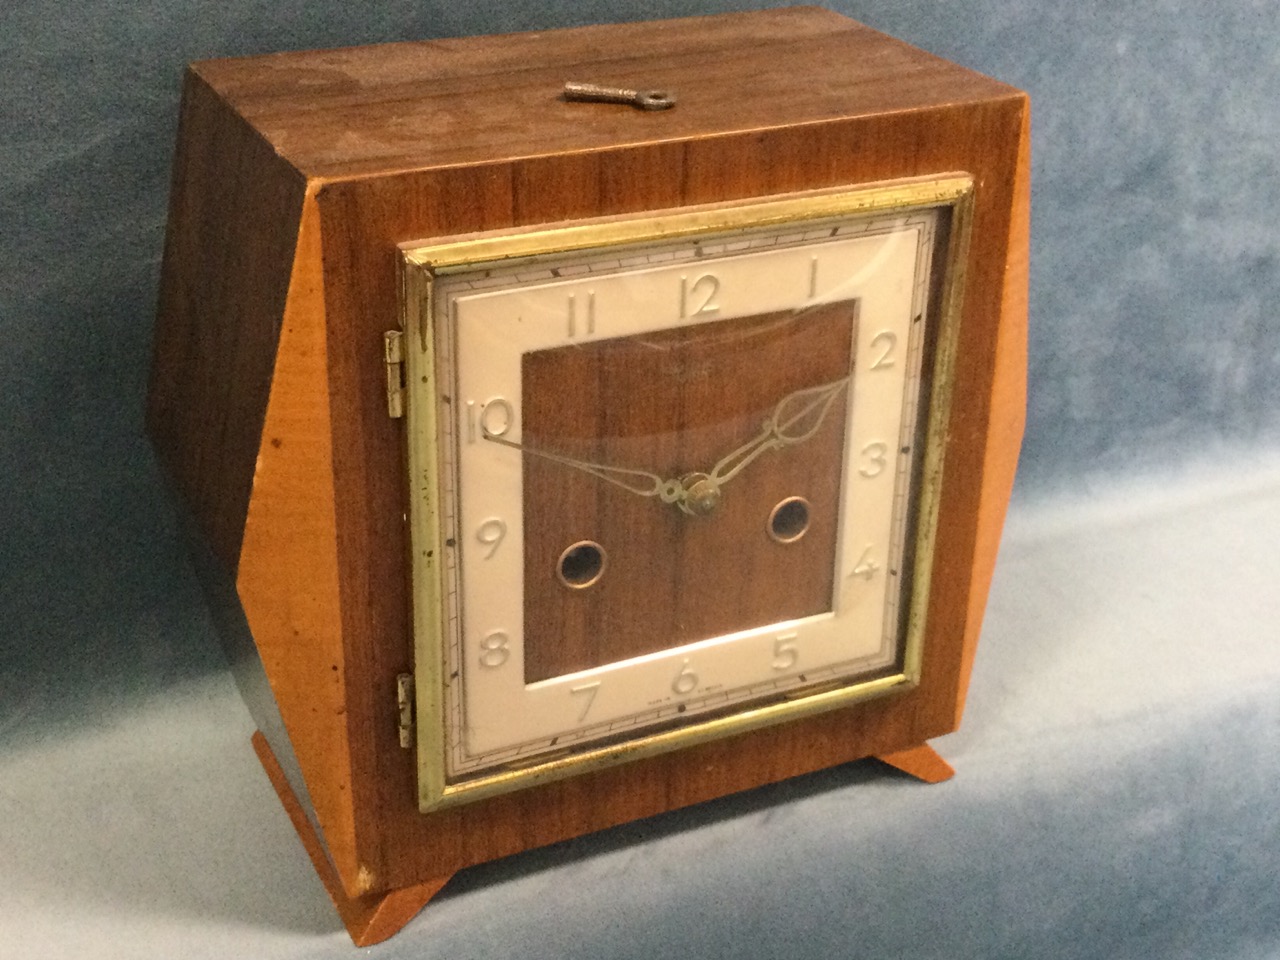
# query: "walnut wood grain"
233, 218
675, 403
405, 106
411, 141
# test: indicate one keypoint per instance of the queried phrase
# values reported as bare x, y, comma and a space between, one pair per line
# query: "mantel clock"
559, 454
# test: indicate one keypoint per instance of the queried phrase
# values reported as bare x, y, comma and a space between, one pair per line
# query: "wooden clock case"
296, 177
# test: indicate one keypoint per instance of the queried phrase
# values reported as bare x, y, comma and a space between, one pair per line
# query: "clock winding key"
594, 93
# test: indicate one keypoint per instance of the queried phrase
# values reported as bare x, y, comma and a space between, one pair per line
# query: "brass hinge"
404, 708
393, 353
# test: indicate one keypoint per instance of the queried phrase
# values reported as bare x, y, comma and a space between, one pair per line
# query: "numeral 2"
885, 341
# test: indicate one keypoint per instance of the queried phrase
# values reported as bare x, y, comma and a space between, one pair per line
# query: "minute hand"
641, 482
796, 418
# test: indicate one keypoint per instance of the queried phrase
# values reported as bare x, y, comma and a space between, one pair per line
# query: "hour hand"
796, 418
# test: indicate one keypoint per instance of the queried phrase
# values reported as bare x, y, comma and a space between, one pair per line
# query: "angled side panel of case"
288, 575
233, 217
237, 411
1008, 406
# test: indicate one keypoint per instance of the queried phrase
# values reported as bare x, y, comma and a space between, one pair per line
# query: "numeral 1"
573, 314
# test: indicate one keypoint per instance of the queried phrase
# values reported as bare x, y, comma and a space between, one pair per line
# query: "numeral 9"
491, 533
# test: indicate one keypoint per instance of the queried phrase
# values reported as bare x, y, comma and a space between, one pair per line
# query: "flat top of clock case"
378, 109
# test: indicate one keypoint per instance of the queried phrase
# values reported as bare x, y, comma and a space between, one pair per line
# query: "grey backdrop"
1154, 342
1155, 267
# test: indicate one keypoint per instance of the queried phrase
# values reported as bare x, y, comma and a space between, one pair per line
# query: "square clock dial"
670, 475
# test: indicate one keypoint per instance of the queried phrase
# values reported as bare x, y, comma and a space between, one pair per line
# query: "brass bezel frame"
421, 262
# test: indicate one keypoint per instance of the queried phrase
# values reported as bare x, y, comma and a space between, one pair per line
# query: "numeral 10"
492, 418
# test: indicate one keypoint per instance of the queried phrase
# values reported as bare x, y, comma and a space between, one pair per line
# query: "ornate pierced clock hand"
699, 493
785, 427
668, 491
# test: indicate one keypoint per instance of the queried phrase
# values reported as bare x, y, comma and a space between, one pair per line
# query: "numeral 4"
866, 567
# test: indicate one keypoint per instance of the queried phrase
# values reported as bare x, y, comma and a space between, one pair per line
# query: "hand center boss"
803, 411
